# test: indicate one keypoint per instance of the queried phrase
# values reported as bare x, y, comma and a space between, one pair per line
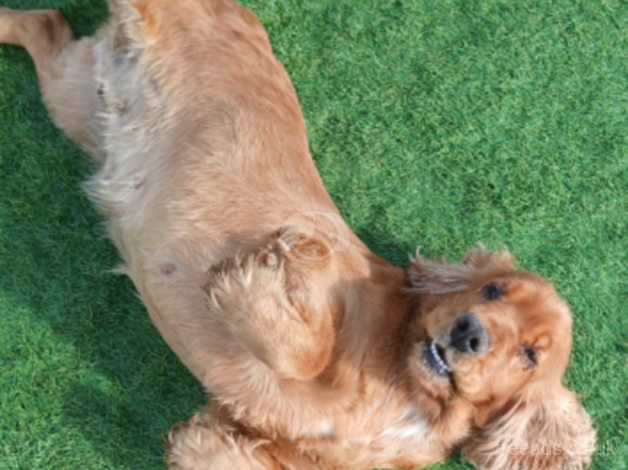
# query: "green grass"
433, 123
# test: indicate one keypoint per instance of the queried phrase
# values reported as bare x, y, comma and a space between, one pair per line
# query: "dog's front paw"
187, 445
204, 443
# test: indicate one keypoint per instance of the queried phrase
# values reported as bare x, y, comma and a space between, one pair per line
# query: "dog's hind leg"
65, 69
270, 301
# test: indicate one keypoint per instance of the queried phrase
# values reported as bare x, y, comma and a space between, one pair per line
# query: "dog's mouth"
434, 358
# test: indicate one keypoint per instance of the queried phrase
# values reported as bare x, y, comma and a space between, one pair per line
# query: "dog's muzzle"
468, 335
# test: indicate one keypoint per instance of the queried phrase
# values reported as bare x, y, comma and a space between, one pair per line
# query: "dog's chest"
410, 425
377, 437
404, 428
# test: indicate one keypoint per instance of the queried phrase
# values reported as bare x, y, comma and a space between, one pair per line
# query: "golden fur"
313, 349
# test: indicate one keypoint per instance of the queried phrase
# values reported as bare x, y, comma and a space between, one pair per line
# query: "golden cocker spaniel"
317, 353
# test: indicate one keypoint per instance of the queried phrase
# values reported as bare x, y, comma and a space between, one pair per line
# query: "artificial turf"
433, 123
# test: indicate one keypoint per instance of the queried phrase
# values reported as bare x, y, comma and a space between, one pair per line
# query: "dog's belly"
190, 177
170, 229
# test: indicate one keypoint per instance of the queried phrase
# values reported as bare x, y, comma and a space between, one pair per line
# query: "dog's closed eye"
492, 291
530, 356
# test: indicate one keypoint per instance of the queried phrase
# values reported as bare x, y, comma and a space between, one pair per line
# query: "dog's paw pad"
304, 247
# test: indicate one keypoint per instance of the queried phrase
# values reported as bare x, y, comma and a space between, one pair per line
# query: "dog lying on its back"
317, 353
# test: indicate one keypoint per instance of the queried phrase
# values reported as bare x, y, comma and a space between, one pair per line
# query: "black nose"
468, 335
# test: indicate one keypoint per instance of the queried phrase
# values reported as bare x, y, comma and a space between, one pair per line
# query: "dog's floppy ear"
482, 258
546, 430
425, 276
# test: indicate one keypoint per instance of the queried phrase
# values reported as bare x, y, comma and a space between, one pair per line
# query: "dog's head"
499, 339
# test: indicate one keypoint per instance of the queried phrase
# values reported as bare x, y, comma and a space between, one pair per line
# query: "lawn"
433, 123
